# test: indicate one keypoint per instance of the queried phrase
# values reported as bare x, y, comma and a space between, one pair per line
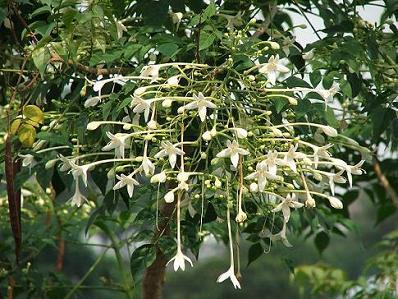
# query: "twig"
385, 182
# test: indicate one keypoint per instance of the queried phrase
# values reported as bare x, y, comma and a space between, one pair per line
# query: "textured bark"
12, 167
153, 279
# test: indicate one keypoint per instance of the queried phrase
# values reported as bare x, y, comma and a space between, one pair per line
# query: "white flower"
281, 236
272, 68
79, 171
183, 176
66, 163
241, 216
179, 261
159, 178
261, 174
173, 81
120, 28
152, 125
167, 103
128, 181
140, 105
92, 101
151, 71
169, 197
308, 55
232, 151
356, 169
271, 162
328, 94
169, 150
240, 133
199, 103
335, 202
253, 187
320, 151
231, 275
147, 166
208, 135
289, 202
336, 178
117, 142
78, 198
176, 17
28, 160
291, 156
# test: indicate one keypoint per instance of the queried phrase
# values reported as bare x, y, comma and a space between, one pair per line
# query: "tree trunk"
153, 279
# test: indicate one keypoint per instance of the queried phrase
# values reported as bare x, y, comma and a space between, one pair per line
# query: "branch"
385, 182
91, 70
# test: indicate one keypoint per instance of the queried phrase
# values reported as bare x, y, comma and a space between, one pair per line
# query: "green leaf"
168, 49
255, 251
140, 259
209, 12
206, 40
41, 57
321, 241
315, 78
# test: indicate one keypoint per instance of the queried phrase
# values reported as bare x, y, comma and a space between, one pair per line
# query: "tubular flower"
232, 151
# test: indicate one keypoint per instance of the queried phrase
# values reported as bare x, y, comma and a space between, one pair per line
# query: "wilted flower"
151, 71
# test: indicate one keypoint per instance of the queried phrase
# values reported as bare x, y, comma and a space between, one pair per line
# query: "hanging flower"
335, 202
179, 260
117, 142
328, 94
199, 103
291, 156
231, 275
128, 181
28, 160
79, 171
66, 163
233, 151
140, 105
78, 198
272, 69
285, 206
320, 152
336, 178
147, 166
169, 150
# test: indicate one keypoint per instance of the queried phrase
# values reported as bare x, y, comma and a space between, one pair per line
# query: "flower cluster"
186, 126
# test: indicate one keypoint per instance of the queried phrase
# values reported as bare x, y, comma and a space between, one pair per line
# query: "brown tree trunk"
153, 279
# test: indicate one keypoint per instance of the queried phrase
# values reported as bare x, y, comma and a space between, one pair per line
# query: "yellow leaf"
33, 113
27, 135
15, 126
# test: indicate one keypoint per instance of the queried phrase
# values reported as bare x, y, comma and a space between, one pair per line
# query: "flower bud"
310, 202
91, 126
169, 197
167, 103
159, 178
217, 183
241, 217
332, 132
152, 125
335, 202
253, 187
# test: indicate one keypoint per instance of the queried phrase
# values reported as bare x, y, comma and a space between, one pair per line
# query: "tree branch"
385, 182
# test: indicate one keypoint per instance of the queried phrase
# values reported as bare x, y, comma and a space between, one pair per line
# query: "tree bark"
153, 279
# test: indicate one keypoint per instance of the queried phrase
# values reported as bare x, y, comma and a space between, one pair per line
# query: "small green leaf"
168, 49
41, 57
141, 259
255, 251
206, 40
321, 241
